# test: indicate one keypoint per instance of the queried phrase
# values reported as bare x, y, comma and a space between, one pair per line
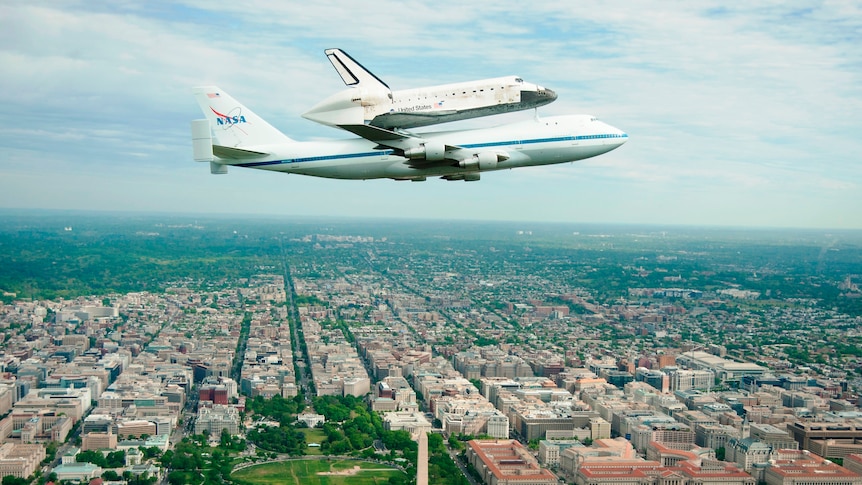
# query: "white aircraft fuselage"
232, 135
369, 100
413, 108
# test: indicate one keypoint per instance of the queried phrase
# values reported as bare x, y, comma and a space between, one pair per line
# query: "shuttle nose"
538, 97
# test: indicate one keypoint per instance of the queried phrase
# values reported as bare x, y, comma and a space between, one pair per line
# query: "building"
725, 370
215, 393
549, 450
683, 380
312, 420
747, 452
135, 428
654, 378
533, 422
217, 418
98, 441
715, 436
618, 449
20, 460
507, 462
793, 467
854, 463
701, 472
599, 429
670, 433
357, 386
828, 439
36, 426
777, 438
619, 472
82, 472
649, 472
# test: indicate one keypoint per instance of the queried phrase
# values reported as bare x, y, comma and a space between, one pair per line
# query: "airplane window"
518, 80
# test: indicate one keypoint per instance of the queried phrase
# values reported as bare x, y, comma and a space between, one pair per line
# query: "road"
454, 455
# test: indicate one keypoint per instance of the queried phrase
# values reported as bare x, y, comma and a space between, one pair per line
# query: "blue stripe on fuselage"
316, 159
389, 152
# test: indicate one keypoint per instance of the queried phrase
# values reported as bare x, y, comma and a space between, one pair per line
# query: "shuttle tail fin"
352, 72
234, 125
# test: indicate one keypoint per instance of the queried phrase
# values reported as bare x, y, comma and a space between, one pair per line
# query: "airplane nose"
620, 137
548, 93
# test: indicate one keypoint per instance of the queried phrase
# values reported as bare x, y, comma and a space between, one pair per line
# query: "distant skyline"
738, 114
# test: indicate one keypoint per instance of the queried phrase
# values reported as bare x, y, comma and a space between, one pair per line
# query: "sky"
744, 114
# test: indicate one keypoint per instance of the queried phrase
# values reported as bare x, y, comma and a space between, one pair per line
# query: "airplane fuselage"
534, 142
412, 108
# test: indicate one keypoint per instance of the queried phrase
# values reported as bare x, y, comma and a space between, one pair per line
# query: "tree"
177, 477
110, 475
116, 459
13, 480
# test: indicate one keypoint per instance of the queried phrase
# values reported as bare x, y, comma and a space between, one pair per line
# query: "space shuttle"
370, 101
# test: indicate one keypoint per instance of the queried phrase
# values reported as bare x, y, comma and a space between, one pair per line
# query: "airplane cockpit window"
519, 80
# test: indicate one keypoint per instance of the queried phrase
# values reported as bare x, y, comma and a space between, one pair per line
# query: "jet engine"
481, 161
433, 152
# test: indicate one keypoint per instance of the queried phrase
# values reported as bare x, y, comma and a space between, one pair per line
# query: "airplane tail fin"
234, 125
352, 72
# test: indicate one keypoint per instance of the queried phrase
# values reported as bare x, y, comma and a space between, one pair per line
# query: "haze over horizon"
738, 115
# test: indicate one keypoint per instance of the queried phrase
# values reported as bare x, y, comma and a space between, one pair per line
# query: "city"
178, 350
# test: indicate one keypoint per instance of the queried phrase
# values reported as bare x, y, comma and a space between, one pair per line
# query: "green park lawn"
307, 472
313, 436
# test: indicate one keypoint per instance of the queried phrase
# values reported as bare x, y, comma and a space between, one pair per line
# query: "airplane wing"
379, 135
419, 151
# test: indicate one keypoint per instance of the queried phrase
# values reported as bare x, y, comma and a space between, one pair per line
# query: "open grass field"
316, 472
314, 436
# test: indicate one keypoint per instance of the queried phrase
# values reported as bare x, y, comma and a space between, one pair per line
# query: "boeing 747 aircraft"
370, 101
232, 135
